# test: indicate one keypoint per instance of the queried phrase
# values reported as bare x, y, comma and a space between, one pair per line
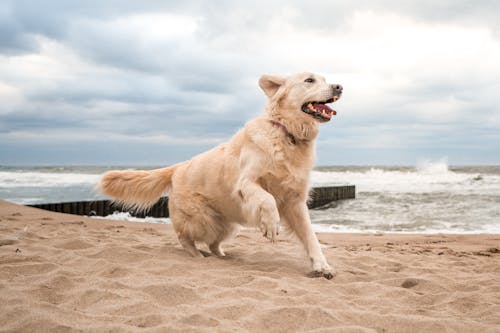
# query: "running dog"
259, 178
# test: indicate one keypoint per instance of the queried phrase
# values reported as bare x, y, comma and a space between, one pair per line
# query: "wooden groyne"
320, 196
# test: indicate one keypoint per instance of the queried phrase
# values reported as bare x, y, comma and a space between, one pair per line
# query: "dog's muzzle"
319, 109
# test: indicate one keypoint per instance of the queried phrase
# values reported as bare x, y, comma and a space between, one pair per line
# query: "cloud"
420, 75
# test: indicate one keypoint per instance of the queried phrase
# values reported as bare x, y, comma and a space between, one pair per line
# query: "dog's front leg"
297, 217
259, 206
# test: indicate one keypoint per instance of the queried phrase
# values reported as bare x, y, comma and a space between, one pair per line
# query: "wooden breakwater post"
319, 196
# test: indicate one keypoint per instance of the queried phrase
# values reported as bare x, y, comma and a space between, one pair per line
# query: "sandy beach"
66, 273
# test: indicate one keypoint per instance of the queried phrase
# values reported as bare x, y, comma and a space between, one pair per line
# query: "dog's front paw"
269, 220
270, 230
323, 270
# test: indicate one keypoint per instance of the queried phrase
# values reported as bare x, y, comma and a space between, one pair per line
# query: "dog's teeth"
311, 107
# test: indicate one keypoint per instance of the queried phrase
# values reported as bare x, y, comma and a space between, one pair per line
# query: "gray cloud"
95, 72
13, 37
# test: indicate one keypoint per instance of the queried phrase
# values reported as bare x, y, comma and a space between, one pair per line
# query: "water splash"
429, 167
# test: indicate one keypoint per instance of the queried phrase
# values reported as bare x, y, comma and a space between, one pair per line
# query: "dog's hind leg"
228, 231
195, 220
183, 226
216, 249
188, 245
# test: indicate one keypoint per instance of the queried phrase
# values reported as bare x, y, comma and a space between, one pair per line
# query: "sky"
157, 82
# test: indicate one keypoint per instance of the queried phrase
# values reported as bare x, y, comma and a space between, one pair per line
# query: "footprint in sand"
172, 294
74, 222
409, 283
28, 269
200, 320
7, 242
115, 272
74, 244
47, 294
146, 321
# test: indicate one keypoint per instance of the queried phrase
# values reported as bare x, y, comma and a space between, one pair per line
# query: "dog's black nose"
337, 88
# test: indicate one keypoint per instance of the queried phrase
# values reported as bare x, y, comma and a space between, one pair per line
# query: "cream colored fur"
259, 178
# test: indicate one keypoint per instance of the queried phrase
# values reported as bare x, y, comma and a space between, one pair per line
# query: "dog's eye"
309, 80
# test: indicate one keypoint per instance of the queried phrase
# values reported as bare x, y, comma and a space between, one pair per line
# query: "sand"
66, 273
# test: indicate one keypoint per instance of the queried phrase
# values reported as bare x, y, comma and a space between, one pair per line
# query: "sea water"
427, 198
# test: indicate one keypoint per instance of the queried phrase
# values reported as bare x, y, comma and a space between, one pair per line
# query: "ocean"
428, 198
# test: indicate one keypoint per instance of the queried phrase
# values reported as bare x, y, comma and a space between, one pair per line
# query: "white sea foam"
25, 201
427, 178
430, 198
330, 228
121, 216
12, 179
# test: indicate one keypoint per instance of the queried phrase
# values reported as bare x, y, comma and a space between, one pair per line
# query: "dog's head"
304, 93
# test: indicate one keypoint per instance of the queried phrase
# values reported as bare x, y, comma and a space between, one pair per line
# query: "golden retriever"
259, 178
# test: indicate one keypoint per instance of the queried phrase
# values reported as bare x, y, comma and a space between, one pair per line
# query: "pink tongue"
323, 107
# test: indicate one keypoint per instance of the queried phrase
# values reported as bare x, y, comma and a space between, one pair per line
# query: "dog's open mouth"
320, 110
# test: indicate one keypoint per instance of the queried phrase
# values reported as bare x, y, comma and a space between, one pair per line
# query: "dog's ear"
270, 84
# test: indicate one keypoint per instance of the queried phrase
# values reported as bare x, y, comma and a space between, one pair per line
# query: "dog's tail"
137, 189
